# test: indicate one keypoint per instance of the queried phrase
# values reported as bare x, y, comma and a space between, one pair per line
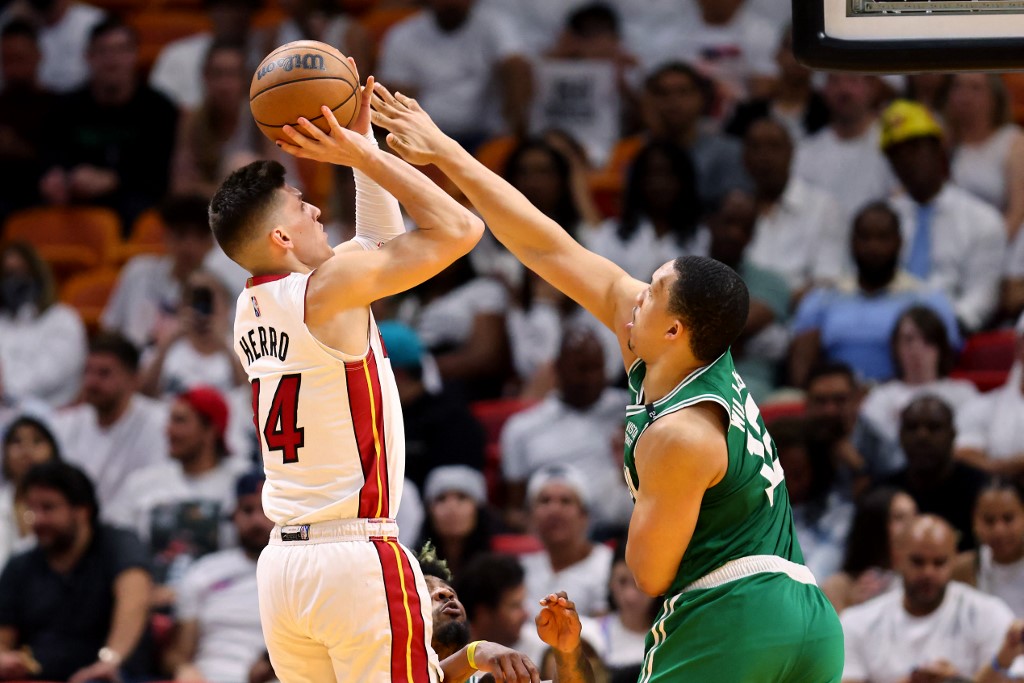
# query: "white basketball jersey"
329, 424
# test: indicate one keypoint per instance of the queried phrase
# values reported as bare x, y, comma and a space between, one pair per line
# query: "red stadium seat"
989, 351
493, 414
516, 544
88, 293
70, 239
777, 411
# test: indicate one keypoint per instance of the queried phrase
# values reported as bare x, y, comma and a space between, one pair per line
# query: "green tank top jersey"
747, 512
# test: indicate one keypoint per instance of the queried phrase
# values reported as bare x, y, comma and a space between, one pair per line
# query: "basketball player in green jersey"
712, 528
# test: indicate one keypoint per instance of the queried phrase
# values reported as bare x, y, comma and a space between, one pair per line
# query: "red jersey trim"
409, 660
366, 404
263, 279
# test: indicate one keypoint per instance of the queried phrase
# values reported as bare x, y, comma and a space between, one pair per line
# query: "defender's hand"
413, 134
558, 624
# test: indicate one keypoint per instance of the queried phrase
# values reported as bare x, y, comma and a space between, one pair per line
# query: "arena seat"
494, 153
157, 27
516, 544
988, 351
88, 293
781, 409
147, 236
379, 20
70, 239
493, 414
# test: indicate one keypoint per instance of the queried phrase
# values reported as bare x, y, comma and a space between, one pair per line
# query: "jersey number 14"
281, 431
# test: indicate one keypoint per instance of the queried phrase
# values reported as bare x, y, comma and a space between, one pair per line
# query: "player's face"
302, 221
27, 447
54, 521
651, 320
999, 524
927, 568
446, 605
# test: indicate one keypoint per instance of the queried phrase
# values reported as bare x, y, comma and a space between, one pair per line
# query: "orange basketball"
298, 78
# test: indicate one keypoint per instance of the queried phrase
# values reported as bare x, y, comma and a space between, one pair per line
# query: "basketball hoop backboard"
908, 36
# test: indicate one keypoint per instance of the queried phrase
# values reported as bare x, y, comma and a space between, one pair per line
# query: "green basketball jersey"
747, 512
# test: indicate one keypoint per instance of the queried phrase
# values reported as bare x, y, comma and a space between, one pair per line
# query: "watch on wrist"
109, 656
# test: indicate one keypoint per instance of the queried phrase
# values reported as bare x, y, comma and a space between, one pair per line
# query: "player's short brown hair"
241, 201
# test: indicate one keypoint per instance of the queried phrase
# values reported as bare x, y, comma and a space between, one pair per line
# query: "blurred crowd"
875, 219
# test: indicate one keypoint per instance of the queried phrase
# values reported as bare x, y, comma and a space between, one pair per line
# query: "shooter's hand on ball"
343, 146
413, 134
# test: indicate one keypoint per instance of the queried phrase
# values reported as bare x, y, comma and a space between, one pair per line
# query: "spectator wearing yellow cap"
951, 240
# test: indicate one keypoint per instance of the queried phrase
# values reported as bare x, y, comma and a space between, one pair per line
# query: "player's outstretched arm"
558, 625
446, 229
594, 282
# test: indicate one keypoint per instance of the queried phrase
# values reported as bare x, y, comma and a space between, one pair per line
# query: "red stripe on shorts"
365, 402
409, 661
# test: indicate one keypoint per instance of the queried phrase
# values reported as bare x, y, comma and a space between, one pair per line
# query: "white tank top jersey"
329, 424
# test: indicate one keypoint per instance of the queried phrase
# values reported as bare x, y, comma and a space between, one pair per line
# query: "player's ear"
675, 330
279, 238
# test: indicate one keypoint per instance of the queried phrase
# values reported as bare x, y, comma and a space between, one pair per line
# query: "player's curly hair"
432, 565
241, 201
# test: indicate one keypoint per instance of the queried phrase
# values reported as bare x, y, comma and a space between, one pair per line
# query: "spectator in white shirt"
178, 506
988, 148
730, 43
218, 635
923, 358
149, 286
328, 23
194, 348
460, 319
660, 214
991, 427
115, 431
560, 500
26, 442
64, 27
618, 637
464, 65
997, 566
799, 233
575, 425
676, 101
844, 159
932, 628
42, 341
952, 240
178, 70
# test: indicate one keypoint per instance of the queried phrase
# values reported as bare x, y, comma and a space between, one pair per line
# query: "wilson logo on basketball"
309, 61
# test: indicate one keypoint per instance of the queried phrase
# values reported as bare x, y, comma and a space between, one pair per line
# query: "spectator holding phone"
194, 347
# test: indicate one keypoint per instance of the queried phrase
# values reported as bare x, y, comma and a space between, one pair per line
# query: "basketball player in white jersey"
340, 599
